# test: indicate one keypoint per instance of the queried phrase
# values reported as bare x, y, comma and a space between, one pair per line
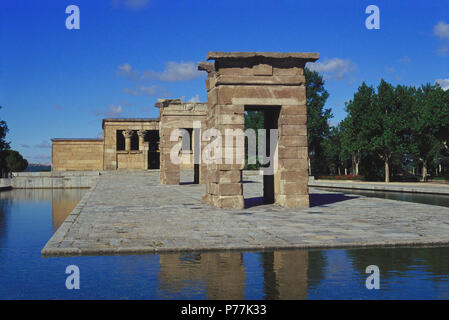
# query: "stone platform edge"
52, 245
51, 251
428, 189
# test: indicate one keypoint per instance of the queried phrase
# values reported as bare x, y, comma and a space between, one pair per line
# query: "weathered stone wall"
132, 160
5, 183
54, 179
224, 180
77, 154
174, 114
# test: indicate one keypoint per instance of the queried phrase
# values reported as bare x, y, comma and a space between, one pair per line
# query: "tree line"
390, 132
10, 160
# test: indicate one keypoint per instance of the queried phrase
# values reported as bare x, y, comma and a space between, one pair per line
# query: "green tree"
388, 124
332, 150
429, 125
317, 120
253, 120
356, 127
12, 161
3, 131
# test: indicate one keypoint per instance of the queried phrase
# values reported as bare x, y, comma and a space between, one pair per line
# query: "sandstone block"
226, 189
294, 188
293, 201
292, 164
294, 176
293, 130
226, 176
293, 119
231, 202
230, 119
262, 70
292, 152
169, 177
294, 110
293, 141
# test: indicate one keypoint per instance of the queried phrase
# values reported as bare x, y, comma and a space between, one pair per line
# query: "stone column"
142, 144
127, 134
224, 175
169, 171
293, 171
225, 184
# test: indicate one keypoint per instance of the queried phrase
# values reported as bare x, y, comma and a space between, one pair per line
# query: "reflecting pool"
432, 199
28, 218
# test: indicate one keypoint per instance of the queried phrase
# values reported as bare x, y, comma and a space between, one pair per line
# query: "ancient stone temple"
275, 84
182, 136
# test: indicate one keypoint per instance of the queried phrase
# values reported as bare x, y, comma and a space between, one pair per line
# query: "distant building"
128, 143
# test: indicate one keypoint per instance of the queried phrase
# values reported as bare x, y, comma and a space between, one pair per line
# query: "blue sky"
56, 82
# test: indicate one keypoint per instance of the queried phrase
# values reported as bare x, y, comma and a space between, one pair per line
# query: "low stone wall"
410, 187
5, 184
54, 179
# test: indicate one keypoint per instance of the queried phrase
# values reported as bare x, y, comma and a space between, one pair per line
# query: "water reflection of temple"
285, 274
223, 275
63, 200
63, 203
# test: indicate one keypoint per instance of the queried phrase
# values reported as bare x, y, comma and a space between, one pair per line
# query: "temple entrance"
152, 136
187, 119
189, 167
239, 80
259, 189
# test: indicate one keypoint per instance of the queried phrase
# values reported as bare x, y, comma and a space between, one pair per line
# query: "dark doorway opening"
134, 141
256, 190
190, 149
120, 139
152, 137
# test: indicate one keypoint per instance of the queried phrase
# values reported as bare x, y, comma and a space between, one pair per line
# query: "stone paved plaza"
130, 212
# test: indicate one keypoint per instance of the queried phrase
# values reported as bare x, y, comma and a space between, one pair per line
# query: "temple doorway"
152, 136
260, 189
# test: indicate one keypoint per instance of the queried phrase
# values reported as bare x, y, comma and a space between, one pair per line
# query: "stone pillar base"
169, 178
207, 198
229, 202
292, 201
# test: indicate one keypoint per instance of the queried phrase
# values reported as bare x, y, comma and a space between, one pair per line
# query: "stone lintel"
76, 139
133, 120
260, 80
164, 103
209, 67
306, 56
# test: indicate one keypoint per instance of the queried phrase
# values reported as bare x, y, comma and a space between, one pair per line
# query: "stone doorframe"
175, 114
259, 79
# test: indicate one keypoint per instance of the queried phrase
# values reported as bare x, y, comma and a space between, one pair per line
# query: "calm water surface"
29, 217
432, 199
